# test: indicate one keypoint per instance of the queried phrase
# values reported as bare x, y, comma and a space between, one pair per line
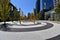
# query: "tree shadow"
4, 27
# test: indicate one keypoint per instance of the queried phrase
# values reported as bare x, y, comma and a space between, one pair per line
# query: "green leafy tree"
16, 15
5, 10
0, 10
40, 15
20, 15
57, 8
32, 17
23, 18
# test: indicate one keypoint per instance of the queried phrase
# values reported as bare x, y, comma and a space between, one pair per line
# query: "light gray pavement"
34, 35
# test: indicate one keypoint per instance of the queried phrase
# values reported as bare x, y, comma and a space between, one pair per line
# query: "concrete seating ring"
30, 27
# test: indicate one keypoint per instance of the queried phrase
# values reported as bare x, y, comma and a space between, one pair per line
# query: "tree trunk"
34, 21
20, 20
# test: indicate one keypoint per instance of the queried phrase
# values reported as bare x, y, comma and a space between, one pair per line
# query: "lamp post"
20, 15
11, 13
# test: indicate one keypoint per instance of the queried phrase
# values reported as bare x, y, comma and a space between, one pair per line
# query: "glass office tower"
46, 4
56, 2
37, 6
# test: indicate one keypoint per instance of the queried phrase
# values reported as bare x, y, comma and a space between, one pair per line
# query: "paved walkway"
55, 38
32, 35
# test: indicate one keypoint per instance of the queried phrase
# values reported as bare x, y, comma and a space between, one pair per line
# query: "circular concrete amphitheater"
27, 26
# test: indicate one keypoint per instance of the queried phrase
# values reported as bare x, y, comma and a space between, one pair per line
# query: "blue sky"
25, 5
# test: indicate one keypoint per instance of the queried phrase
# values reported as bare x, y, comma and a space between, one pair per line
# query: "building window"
44, 5
11, 8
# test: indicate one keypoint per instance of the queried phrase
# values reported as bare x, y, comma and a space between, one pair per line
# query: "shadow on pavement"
3, 27
55, 38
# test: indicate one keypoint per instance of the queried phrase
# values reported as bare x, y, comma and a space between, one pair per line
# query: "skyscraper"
44, 4
37, 6
56, 2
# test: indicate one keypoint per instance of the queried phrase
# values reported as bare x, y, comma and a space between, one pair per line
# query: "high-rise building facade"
44, 4
37, 6
56, 2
